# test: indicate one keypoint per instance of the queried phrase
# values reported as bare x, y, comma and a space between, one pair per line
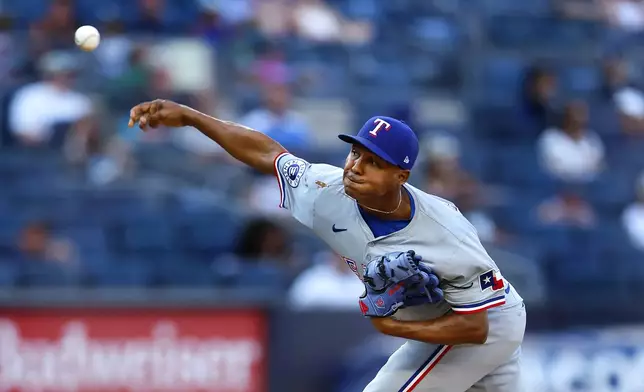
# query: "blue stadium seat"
514, 33
436, 34
478, 159
437, 7
604, 119
181, 14
518, 166
496, 79
524, 33
36, 161
49, 274
148, 236
391, 74
510, 7
119, 208
633, 270
209, 232
492, 123
554, 240
87, 239
580, 267
28, 10
564, 34
584, 79
9, 273
127, 272
309, 243
628, 152
612, 192
358, 9
185, 272
434, 71
261, 274
334, 157
91, 12
613, 240
572, 269
9, 234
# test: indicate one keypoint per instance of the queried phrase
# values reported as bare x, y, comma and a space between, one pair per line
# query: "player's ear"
403, 176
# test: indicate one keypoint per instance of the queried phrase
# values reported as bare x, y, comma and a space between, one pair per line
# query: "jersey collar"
367, 230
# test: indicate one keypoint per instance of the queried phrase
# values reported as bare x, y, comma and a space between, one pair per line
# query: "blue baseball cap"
390, 139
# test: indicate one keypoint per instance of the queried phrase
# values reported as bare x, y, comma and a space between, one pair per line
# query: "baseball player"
466, 339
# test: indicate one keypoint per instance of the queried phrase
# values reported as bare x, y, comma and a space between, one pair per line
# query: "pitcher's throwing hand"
159, 112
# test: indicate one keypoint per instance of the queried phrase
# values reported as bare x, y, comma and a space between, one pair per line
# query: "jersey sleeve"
480, 286
297, 183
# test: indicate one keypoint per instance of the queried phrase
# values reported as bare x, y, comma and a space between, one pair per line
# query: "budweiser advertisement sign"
132, 350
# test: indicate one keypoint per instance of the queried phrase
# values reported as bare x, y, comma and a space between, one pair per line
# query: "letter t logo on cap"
379, 125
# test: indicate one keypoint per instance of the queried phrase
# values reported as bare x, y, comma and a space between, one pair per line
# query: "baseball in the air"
87, 38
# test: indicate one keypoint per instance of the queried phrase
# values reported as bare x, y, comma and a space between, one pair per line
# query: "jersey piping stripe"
280, 180
425, 368
478, 307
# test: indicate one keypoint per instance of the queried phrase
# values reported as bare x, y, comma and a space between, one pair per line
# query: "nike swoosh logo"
336, 230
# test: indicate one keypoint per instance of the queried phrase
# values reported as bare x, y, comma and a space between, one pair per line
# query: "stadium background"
133, 261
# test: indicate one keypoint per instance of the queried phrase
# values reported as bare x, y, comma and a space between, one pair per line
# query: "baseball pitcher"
427, 277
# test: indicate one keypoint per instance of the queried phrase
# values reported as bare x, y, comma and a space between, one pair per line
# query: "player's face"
367, 175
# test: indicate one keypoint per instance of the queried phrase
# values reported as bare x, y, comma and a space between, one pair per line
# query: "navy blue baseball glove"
396, 280
426, 291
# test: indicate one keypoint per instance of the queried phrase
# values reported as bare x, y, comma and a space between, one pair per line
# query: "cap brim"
369, 145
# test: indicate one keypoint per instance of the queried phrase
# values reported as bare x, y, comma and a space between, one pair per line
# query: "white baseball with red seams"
87, 38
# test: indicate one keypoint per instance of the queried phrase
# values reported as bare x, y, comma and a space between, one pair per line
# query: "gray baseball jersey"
448, 243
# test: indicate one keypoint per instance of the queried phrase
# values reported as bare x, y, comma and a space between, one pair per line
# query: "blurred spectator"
263, 239
38, 243
627, 99
571, 152
633, 216
10, 52
314, 20
273, 18
56, 29
357, 32
278, 120
534, 112
104, 160
40, 112
195, 142
231, 12
628, 15
328, 284
151, 18
486, 227
444, 175
261, 245
270, 68
264, 197
581, 9
133, 85
115, 51
210, 24
567, 209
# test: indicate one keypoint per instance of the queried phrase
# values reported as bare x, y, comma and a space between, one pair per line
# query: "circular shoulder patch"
293, 170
